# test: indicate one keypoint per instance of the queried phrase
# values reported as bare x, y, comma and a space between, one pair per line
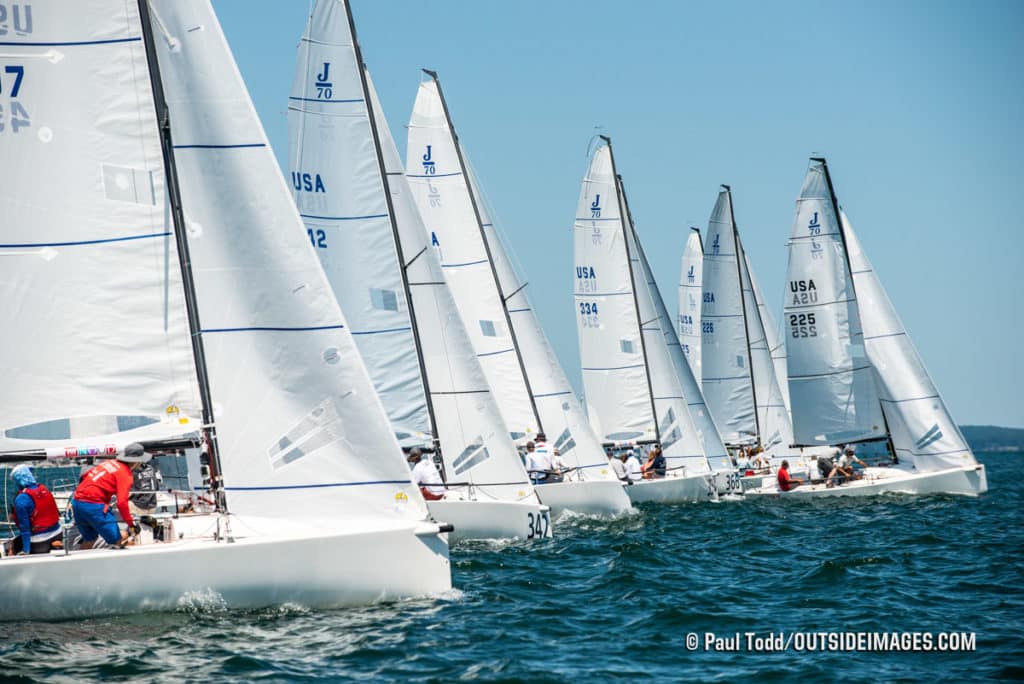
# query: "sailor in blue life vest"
36, 513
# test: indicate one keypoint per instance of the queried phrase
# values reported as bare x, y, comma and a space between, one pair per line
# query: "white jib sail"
690, 293
831, 383
446, 205
475, 443
561, 414
678, 436
614, 374
302, 432
776, 344
728, 380
922, 429
707, 431
775, 429
339, 192
93, 305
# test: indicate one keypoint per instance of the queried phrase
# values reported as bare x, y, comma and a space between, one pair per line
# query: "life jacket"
45, 514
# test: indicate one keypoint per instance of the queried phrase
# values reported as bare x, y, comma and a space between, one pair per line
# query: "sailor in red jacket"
36, 513
91, 502
786, 482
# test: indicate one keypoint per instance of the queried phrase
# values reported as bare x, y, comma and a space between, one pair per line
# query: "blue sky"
917, 106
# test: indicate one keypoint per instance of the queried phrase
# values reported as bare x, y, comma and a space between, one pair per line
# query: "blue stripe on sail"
317, 486
875, 337
378, 332
342, 218
722, 316
432, 175
680, 398
273, 329
313, 99
519, 310
76, 42
579, 218
638, 365
29, 245
734, 377
486, 225
900, 401
600, 294
218, 147
503, 351
551, 394
467, 263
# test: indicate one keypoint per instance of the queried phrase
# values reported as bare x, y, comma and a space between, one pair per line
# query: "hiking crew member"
786, 483
425, 475
36, 513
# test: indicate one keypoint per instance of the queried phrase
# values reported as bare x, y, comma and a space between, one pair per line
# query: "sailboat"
359, 213
632, 388
854, 375
690, 297
533, 394
157, 267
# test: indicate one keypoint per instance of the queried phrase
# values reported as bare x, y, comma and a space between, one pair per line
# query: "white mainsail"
707, 430
338, 189
299, 425
454, 225
831, 383
615, 377
922, 430
85, 221
776, 346
560, 412
475, 443
728, 381
690, 293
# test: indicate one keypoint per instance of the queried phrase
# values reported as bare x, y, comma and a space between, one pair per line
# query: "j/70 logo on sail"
17, 16
428, 162
324, 88
595, 206
690, 277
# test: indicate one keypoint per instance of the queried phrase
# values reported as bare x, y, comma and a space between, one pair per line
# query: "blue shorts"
93, 521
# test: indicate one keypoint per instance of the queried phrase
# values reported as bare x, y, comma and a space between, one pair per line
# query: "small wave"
202, 601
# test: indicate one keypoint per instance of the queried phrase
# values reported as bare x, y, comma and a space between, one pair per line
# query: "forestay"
612, 358
677, 434
707, 432
775, 432
922, 430
299, 424
728, 381
560, 412
93, 305
776, 345
337, 185
690, 290
831, 384
442, 194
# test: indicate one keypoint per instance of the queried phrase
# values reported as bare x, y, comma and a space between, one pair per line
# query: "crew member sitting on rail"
560, 467
655, 466
617, 467
829, 471
91, 500
36, 513
538, 463
787, 483
425, 475
848, 460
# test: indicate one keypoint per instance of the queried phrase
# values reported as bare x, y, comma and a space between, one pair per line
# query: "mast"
849, 272
487, 246
626, 217
184, 260
403, 266
743, 308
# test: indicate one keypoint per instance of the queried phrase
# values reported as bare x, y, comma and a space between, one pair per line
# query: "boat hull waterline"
670, 490
590, 497
319, 569
493, 519
967, 481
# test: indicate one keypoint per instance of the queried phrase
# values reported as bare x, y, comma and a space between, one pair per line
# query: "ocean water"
617, 600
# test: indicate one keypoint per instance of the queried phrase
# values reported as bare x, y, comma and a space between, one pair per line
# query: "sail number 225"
802, 325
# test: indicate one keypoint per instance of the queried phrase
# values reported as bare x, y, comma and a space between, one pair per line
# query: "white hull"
493, 519
968, 481
593, 497
317, 568
674, 489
